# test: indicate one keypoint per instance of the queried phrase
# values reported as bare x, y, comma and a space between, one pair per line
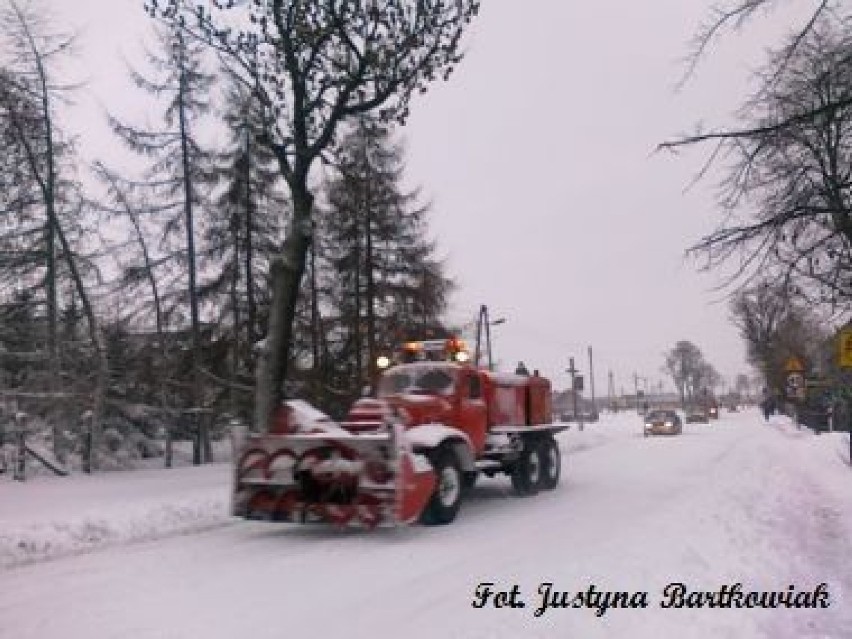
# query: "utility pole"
483, 331
573, 371
592, 382
636, 378
480, 320
636, 390
611, 392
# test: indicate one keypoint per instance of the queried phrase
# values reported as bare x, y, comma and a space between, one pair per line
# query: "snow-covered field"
154, 554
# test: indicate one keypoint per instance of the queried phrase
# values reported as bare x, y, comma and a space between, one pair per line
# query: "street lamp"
484, 324
497, 322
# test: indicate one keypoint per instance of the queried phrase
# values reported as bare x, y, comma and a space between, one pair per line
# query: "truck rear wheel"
551, 463
446, 500
526, 474
470, 478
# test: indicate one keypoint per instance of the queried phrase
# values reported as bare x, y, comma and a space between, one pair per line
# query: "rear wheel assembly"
469, 480
526, 474
551, 463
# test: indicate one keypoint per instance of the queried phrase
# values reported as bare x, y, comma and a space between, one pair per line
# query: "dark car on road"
662, 422
697, 415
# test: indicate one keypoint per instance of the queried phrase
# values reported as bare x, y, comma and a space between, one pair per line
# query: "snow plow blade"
339, 478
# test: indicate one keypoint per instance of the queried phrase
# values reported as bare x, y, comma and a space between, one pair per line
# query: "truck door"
472, 414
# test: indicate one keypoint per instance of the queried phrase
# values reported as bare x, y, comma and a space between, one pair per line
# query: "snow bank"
824, 456
47, 517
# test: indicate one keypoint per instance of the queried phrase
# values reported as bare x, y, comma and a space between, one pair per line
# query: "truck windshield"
426, 380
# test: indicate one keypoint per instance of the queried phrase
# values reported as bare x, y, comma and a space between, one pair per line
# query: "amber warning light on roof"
452, 349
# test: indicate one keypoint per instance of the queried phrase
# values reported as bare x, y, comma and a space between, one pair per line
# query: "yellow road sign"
844, 350
794, 365
796, 386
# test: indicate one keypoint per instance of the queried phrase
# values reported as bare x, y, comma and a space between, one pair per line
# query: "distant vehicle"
662, 422
709, 402
585, 416
697, 415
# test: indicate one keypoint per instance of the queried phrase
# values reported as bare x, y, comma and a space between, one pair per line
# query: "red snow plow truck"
408, 454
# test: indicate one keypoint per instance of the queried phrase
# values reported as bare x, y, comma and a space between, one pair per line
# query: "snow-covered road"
738, 501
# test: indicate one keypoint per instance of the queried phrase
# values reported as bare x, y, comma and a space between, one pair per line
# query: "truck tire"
446, 500
469, 480
526, 474
551, 463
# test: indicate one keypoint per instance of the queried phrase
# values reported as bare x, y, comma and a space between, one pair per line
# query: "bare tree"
788, 160
689, 371
742, 386
312, 66
734, 16
798, 179
774, 329
706, 379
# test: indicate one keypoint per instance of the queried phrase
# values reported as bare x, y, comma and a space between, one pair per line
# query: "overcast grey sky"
549, 203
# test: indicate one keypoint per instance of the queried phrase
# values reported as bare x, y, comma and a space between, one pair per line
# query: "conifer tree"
244, 230
42, 238
383, 280
176, 179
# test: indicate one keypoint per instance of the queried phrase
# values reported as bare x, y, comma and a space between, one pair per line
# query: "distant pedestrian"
768, 406
521, 369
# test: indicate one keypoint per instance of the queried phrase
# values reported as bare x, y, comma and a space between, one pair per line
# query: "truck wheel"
469, 480
551, 463
446, 500
526, 475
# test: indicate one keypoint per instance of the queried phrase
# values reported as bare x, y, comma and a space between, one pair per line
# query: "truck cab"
445, 393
